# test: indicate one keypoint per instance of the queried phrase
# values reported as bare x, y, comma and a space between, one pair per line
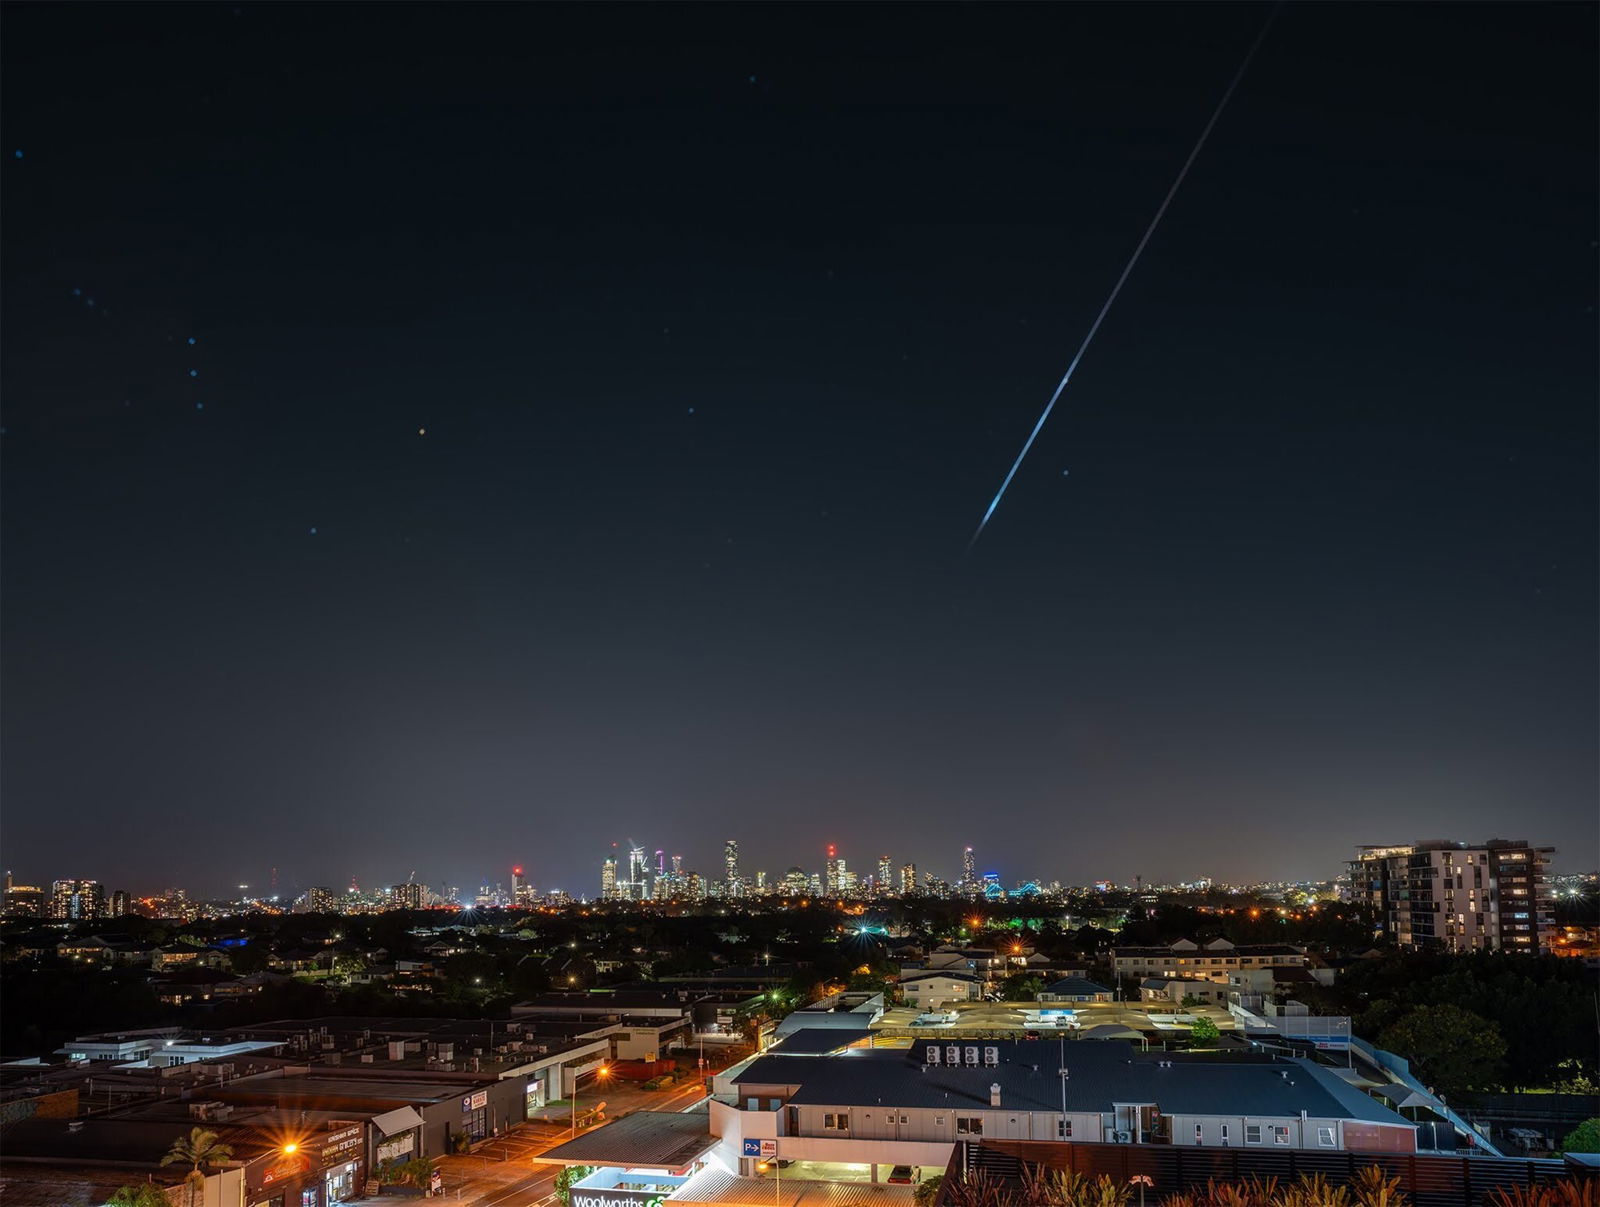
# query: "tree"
1021, 987
140, 1194
1585, 1138
565, 1179
1204, 1031
1454, 1049
927, 1191
199, 1148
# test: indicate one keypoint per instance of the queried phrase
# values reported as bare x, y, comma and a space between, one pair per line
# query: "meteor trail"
1132, 260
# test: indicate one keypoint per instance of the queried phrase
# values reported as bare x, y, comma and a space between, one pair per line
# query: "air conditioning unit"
933, 1054
1122, 1137
991, 1056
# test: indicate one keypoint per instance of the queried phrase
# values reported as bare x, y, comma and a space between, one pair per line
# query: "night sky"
438, 437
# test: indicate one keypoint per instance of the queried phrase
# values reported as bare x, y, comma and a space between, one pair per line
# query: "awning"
401, 1120
1400, 1096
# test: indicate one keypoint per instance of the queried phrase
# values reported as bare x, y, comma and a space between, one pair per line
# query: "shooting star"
1127, 269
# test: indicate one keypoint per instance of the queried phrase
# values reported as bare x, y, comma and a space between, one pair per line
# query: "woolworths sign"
616, 1198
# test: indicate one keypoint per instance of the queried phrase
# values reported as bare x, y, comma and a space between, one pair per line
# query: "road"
508, 1173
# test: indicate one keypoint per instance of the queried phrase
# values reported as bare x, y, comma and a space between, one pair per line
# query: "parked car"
902, 1175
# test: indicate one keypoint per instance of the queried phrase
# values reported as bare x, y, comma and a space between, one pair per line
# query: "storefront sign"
341, 1145
390, 1150
475, 1102
615, 1198
286, 1168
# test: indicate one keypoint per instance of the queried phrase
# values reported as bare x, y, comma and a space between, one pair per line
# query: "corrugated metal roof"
658, 1139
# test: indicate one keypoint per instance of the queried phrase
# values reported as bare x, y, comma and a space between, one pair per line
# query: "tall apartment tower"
969, 873
732, 885
77, 899
830, 872
1452, 896
608, 879
885, 882
908, 879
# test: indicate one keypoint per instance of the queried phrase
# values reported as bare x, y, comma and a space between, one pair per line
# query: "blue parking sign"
752, 1148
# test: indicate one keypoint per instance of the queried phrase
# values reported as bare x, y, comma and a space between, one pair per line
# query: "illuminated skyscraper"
908, 878
885, 882
638, 887
969, 872
830, 872
732, 885
608, 879
76, 900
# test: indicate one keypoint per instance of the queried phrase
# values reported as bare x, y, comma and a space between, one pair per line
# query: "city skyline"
599, 883
579, 439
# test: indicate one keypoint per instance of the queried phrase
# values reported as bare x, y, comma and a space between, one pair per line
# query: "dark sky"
724, 324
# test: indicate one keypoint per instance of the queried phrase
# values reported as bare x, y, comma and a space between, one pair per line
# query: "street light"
1141, 1180
601, 1072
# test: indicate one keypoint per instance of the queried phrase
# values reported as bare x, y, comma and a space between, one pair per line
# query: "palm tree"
198, 1148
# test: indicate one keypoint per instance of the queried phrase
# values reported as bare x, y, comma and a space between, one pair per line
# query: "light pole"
1141, 1180
1062, 1073
600, 1074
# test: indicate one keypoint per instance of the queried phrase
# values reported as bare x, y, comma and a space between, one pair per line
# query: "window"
1063, 1129
1280, 1134
1325, 1137
1199, 1134
1224, 1133
938, 1121
969, 1125
837, 1123
1252, 1133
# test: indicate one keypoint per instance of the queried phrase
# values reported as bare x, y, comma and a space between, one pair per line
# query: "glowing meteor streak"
1122, 280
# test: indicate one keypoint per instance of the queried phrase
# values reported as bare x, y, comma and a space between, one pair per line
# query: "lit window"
969, 1125
1325, 1137
1280, 1135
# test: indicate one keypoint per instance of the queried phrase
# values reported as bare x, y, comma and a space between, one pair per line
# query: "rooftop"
1101, 1073
644, 1139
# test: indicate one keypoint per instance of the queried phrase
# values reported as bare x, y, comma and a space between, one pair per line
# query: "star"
194, 372
422, 431
191, 341
313, 532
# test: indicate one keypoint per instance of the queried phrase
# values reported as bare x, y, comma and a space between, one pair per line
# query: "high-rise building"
638, 875
732, 885
121, 904
522, 895
885, 883
830, 872
908, 879
677, 865
23, 900
317, 900
794, 882
405, 896
969, 872
761, 883
608, 879
77, 899
1450, 896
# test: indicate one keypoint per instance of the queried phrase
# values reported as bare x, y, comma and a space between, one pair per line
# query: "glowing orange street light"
291, 1148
